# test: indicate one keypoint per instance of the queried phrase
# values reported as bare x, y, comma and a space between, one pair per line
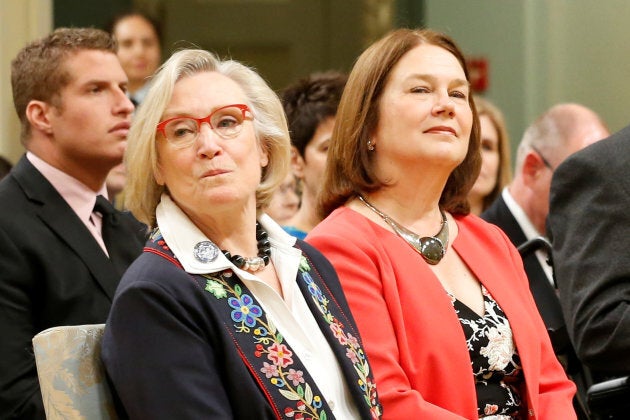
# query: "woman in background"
139, 53
139, 50
225, 315
496, 165
284, 202
440, 297
310, 105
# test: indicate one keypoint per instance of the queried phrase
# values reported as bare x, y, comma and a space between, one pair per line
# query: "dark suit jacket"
590, 226
52, 272
544, 294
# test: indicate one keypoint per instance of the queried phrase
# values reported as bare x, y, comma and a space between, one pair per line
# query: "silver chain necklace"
432, 248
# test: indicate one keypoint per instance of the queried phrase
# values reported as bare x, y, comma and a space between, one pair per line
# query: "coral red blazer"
411, 333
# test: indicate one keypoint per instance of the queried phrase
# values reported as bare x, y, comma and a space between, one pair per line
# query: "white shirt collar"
519, 214
529, 230
181, 235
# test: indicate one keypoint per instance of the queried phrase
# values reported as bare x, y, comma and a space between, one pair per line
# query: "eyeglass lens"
226, 122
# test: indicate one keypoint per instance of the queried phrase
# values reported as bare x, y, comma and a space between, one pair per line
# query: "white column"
21, 21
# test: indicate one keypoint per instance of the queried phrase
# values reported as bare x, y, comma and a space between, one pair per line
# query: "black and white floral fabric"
494, 359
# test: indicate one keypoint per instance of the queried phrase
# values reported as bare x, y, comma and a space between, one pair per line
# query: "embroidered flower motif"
278, 382
312, 287
280, 355
259, 350
352, 340
216, 289
373, 396
156, 237
304, 266
338, 333
261, 331
244, 310
350, 354
354, 352
500, 347
295, 376
269, 370
362, 384
289, 381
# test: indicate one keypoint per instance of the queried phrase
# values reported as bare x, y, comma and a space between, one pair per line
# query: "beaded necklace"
253, 264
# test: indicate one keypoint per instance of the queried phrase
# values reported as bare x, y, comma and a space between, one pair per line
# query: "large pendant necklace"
253, 264
432, 248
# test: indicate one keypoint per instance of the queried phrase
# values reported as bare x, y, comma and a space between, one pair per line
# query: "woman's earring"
370, 145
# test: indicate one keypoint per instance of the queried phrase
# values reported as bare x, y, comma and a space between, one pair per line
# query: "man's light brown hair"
38, 71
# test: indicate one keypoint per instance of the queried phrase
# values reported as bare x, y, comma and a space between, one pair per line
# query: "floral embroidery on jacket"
277, 363
354, 352
277, 358
249, 318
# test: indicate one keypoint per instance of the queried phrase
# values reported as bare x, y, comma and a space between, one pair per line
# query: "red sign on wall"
478, 72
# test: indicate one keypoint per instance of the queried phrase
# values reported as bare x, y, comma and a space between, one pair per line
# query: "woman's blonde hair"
142, 192
504, 175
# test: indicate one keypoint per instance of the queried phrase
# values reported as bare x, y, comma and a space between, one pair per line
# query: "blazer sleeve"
20, 396
590, 223
361, 280
157, 350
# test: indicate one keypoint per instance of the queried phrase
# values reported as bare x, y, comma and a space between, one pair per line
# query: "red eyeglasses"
226, 122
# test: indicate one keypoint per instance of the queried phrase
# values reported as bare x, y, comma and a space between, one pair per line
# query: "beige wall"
544, 52
541, 52
20, 22
283, 39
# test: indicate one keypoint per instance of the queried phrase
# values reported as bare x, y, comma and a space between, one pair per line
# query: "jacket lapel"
507, 222
343, 338
53, 210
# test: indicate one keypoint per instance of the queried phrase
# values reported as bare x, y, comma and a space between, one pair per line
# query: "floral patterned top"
494, 359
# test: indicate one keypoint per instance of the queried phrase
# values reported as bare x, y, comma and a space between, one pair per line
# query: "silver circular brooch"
206, 252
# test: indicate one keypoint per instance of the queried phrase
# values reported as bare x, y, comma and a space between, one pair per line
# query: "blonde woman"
496, 163
225, 315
